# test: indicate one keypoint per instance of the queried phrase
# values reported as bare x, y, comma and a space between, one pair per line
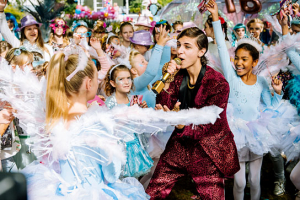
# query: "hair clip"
18, 52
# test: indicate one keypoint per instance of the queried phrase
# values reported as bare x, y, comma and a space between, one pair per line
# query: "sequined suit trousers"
184, 156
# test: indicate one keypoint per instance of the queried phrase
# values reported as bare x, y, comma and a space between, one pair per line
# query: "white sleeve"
6, 33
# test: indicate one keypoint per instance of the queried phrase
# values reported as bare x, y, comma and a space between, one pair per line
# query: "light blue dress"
244, 115
143, 84
83, 162
138, 160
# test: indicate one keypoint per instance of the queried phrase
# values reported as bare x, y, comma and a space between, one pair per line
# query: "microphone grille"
178, 61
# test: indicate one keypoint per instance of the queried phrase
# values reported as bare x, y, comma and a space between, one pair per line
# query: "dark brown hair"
202, 40
168, 28
108, 88
251, 49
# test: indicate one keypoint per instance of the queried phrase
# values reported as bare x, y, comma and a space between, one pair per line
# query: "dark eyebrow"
244, 57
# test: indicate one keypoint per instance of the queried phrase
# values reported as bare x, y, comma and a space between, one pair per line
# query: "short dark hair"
202, 40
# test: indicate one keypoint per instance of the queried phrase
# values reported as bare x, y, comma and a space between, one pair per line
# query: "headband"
109, 36
82, 58
252, 42
112, 69
79, 23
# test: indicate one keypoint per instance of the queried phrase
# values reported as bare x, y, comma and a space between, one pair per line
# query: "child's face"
81, 31
177, 28
255, 29
244, 62
116, 41
127, 33
140, 64
123, 81
173, 51
295, 29
208, 30
240, 32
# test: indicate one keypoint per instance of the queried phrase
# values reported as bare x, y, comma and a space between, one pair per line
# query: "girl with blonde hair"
58, 37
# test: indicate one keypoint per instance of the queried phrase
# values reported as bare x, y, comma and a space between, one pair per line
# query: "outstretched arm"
5, 31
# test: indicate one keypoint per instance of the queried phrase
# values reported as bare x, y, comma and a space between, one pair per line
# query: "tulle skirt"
155, 144
291, 144
45, 183
255, 138
138, 160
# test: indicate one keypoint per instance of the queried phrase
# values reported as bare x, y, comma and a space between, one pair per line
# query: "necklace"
190, 87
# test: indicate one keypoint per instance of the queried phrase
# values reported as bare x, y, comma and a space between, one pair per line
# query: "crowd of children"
80, 135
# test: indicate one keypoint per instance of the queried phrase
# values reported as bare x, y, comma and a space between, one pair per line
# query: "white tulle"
92, 140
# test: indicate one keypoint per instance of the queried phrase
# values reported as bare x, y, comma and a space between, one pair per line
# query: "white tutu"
264, 134
291, 144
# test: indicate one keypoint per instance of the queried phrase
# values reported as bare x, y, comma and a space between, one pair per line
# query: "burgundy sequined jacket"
216, 139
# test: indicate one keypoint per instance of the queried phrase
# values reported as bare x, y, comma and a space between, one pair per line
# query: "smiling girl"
126, 32
58, 37
246, 92
31, 35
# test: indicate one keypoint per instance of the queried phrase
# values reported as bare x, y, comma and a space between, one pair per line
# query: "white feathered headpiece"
252, 42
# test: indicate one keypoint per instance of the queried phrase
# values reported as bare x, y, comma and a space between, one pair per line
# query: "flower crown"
157, 4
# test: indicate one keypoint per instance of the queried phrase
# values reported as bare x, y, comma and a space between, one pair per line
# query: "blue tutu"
138, 160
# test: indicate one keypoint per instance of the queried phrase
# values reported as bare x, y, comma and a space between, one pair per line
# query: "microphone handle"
167, 77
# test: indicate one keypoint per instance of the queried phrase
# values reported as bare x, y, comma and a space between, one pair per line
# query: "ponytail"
56, 97
59, 89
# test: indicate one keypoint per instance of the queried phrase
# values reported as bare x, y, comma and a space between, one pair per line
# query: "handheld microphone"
160, 84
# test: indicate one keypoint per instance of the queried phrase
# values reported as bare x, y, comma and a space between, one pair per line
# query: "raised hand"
166, 109
163, 36
212, 7
2, 5
277, 85
95, 43
295, 8
284, 20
